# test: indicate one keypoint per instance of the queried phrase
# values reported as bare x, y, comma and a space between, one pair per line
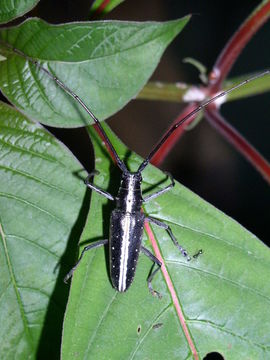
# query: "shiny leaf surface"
224, 293
10, 9
105, 63
41, 197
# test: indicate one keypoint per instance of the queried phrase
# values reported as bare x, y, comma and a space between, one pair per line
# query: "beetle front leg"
95, 188
89, 247
162, 191
153, 273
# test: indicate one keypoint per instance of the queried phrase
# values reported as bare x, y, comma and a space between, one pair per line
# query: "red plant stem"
175, 300
163, 151
220, 71
235, 45
238, 141
101, 7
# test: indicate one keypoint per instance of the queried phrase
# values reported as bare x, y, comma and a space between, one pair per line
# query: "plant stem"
238, 141
164, 91
235, 45
174, 92
220, 71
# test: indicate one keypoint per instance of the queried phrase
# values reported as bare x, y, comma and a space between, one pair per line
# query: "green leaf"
10, 9
105, 63
224, 293
175, 92
257, 87
41, 197
102, 7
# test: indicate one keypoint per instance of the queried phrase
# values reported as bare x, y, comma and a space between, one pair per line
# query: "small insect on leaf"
157, 326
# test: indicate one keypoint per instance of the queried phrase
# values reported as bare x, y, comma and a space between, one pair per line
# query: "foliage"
217, 302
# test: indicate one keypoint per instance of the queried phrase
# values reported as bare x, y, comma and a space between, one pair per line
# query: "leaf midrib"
13, 280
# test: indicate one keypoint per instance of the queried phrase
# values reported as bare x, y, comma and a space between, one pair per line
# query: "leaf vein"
33, 243
168, 261
39, 180
14, 197
163, 311
99, 323
14, 283
264, 348
34, 154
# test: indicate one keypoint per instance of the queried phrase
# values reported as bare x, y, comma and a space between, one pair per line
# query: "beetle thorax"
129, 197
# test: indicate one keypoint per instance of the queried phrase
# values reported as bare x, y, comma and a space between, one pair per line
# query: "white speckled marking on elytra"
125, 224
130, 194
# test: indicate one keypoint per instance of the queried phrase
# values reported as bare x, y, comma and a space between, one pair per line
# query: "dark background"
202, 160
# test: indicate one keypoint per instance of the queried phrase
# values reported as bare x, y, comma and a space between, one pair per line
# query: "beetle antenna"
119, 162
195, 111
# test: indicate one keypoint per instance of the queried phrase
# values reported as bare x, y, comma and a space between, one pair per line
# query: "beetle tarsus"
156, 294
68, 276
197, 254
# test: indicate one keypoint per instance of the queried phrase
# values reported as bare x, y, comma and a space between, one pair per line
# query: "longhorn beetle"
127, 220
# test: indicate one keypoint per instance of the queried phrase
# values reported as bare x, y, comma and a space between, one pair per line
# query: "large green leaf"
41, 197
224, 294
105, 63
10, 9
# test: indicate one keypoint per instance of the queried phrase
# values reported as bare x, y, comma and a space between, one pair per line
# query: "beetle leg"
169, 231
152, 274
162, 191
95, 188
89, 247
